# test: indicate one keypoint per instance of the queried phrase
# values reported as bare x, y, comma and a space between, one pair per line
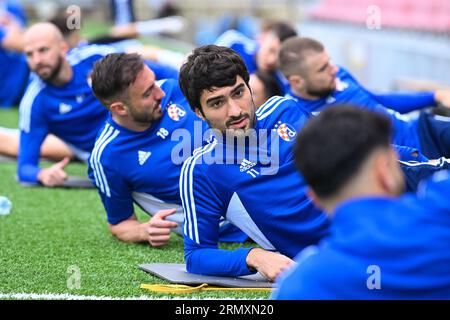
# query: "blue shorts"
415, 171
434, 135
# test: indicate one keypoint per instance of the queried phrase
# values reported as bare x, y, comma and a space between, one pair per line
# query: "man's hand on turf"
55, 175
158, 228
269, 264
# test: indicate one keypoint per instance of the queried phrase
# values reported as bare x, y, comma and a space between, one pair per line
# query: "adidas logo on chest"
143, 156
248, 167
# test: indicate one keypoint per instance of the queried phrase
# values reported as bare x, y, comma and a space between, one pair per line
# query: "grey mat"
71, 182
7, 159
176, 273
77, 182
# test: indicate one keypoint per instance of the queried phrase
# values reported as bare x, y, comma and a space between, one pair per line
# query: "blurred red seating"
423, 15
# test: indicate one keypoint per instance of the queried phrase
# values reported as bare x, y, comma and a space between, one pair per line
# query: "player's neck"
64, 76
331, 204
361, 186
130, 124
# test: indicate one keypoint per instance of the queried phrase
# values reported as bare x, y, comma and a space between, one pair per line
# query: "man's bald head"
45, 50
45, 30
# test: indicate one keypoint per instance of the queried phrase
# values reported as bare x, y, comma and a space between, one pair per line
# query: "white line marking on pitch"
64, 296
67, 296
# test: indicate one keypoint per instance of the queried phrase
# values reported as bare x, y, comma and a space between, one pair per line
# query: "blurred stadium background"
387, 45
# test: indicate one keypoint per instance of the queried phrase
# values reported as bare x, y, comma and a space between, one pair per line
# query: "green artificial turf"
51, 232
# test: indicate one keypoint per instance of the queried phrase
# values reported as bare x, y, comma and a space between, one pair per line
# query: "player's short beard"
238, 132
145, 119
322, 93
55, 71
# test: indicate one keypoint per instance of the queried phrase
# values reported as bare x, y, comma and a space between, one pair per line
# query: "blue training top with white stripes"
144, 167
257, 188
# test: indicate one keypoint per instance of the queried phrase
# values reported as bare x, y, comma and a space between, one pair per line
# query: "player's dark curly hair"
333, 146
207, 67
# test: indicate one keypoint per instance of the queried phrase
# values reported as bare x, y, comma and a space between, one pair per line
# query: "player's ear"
383, 172
118, 108
199, 113
65, 47
396, 173
312, 195
296, 81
